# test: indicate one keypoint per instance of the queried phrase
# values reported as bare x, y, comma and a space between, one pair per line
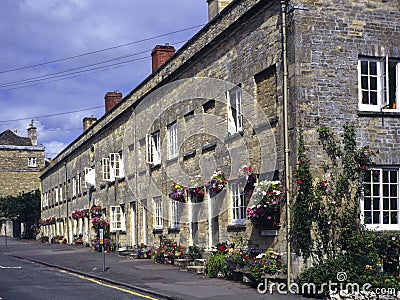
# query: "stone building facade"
21, 161
218, 103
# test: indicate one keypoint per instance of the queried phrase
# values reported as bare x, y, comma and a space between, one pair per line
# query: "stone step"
181, 262
200, 262
196, 269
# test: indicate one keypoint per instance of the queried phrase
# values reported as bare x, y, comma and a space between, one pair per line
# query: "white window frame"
238, 205
381, 191
74, 187
153, 148
172, 140
78, 183
235, 112
117, 218
32, 162
115, 166
175, 214
60, 192
158, 213
382, 90
90, 177
106, 169
57, 194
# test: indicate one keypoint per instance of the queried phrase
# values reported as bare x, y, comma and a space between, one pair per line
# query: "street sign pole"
102, 248
5, 234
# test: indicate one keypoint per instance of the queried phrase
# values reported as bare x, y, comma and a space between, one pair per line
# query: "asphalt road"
24, 280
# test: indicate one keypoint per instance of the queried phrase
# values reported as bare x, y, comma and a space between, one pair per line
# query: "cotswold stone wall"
325, 44
15, 175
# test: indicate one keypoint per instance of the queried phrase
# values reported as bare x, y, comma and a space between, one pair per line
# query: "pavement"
160, 280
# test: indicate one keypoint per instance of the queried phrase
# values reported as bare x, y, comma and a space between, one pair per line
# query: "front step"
196, 269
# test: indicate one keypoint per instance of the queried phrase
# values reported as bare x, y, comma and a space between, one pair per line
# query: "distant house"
21, 160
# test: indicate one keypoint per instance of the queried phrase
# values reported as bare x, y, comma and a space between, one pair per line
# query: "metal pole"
66, 199
286, 140
5, 234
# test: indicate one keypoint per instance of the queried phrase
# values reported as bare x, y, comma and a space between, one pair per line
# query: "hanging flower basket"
246, 178
178, 193
266, 212
96, 211
217, 182
197, 189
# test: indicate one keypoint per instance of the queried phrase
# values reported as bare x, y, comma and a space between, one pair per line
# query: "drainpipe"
66, 199
286, 140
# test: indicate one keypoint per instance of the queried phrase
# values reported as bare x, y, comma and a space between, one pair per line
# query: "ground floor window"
158, 213
380, 201
237, 204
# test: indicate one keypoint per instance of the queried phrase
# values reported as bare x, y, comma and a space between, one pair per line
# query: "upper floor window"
90, 177
380, 201
172, 141
237, 204
32, 162
116, 165
74, 187
153, 148
112, 167
235, 115
117, 218
378, 84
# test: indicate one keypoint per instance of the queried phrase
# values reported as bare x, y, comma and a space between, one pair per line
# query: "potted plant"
217, 182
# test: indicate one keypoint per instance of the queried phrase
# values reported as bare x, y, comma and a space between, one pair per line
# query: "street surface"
25, 280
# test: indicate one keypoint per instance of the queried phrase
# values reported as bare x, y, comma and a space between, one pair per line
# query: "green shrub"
217, 267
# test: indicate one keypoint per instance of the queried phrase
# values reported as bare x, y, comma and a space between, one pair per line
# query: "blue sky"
46, 68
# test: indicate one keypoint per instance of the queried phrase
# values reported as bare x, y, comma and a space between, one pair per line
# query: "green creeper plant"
326, 211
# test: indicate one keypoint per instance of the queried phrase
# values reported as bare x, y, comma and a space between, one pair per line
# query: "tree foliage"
24, 208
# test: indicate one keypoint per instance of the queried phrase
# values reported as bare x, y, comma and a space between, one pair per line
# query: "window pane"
372, 68
393, 176
385, 217
376, 203
393, 190
367, 177
364, 67
376, 190
367, 191
375, 217
393, 204
386, 190
393, 218
364, 83
367, 218
373, 83
373, 98
385, 176
367, 204
386, 204
365, 97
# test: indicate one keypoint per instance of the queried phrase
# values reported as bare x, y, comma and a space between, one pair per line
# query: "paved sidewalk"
165, 281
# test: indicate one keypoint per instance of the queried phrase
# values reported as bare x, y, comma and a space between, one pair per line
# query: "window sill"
236, 228
208, 147
157, 230
174, 230
172, 160
390, 113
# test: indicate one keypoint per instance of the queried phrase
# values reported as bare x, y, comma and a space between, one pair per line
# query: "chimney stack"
32, 134
88, 121
112, 99
160, 55
215, 7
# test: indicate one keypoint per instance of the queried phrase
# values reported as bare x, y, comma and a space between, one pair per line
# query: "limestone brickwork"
243, 46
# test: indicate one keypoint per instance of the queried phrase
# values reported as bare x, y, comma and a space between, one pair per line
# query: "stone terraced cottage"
219, 103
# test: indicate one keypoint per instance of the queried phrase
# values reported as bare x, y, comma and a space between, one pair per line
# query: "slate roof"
10, 138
